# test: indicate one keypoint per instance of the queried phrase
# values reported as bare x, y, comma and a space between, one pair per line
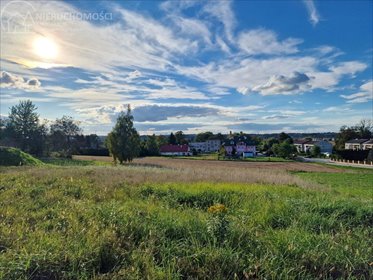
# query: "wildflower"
217, 208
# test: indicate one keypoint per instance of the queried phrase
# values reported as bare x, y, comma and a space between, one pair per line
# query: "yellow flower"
217, 208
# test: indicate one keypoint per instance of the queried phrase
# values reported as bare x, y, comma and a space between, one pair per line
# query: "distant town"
64, 138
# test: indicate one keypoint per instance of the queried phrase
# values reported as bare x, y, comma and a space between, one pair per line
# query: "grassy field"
185, 219
214, 156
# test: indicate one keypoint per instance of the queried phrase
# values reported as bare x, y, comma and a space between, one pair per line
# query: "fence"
364, 162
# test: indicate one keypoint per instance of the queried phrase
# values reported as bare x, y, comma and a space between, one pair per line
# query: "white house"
368, 145
306, 145
299, 145
213, 145
355, 144
198, 146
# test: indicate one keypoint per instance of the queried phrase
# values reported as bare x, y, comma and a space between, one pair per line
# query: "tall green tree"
285, 149
24, 127
365, 129
267, 144
284, 136
204, 136
123, 141
161, 140
180, 138
2, 128
172, 139
152, 146
315, 151
63, 133
345, 133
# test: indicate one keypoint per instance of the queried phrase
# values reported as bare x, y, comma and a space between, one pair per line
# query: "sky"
220, 66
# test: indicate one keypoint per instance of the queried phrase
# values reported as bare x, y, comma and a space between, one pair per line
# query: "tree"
123, 141
24, 127
284, 149
219, 136
315, 151
204, 136
222, 152
92, 141
364, 130
2, 128
345, 133
283, 137
179, 135
151, 145
63, 132
267, 144
161, 140
172, 139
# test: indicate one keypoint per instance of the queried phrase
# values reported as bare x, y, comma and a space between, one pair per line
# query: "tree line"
64, 136
25, 130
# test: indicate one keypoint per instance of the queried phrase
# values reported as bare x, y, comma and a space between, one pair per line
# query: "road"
330, 162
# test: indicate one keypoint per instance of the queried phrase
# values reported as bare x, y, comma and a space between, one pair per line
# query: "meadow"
182, 219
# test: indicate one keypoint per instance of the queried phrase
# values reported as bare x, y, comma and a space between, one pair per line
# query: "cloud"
263, 41
364, 95
284, 85
149, 112
335, 109
190, 51
329, 79
165, 128
131, 40
295, 102
155, 113
274, 127
283, 114
313, 14
8, 80
133, 75
276, 117
193, 27
348, 68
222, 11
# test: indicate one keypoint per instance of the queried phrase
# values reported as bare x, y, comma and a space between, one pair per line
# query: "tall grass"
133, 222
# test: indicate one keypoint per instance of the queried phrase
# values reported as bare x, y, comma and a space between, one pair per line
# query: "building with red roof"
175, 150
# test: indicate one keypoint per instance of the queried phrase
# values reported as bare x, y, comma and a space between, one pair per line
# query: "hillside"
15, 157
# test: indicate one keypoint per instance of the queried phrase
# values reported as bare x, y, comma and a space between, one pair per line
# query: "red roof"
169, 148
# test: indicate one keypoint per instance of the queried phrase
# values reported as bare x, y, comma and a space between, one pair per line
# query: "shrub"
218, 224
15, 157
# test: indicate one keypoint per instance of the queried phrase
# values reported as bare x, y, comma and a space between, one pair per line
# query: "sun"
45, 48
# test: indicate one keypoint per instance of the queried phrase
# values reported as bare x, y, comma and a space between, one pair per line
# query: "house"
239, 146
213, 145
325, 146
299, 145
198, 146
174, 150
304, 145
355, 144
368, 145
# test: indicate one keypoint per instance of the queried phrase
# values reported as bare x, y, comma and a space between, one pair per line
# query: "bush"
15, 157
